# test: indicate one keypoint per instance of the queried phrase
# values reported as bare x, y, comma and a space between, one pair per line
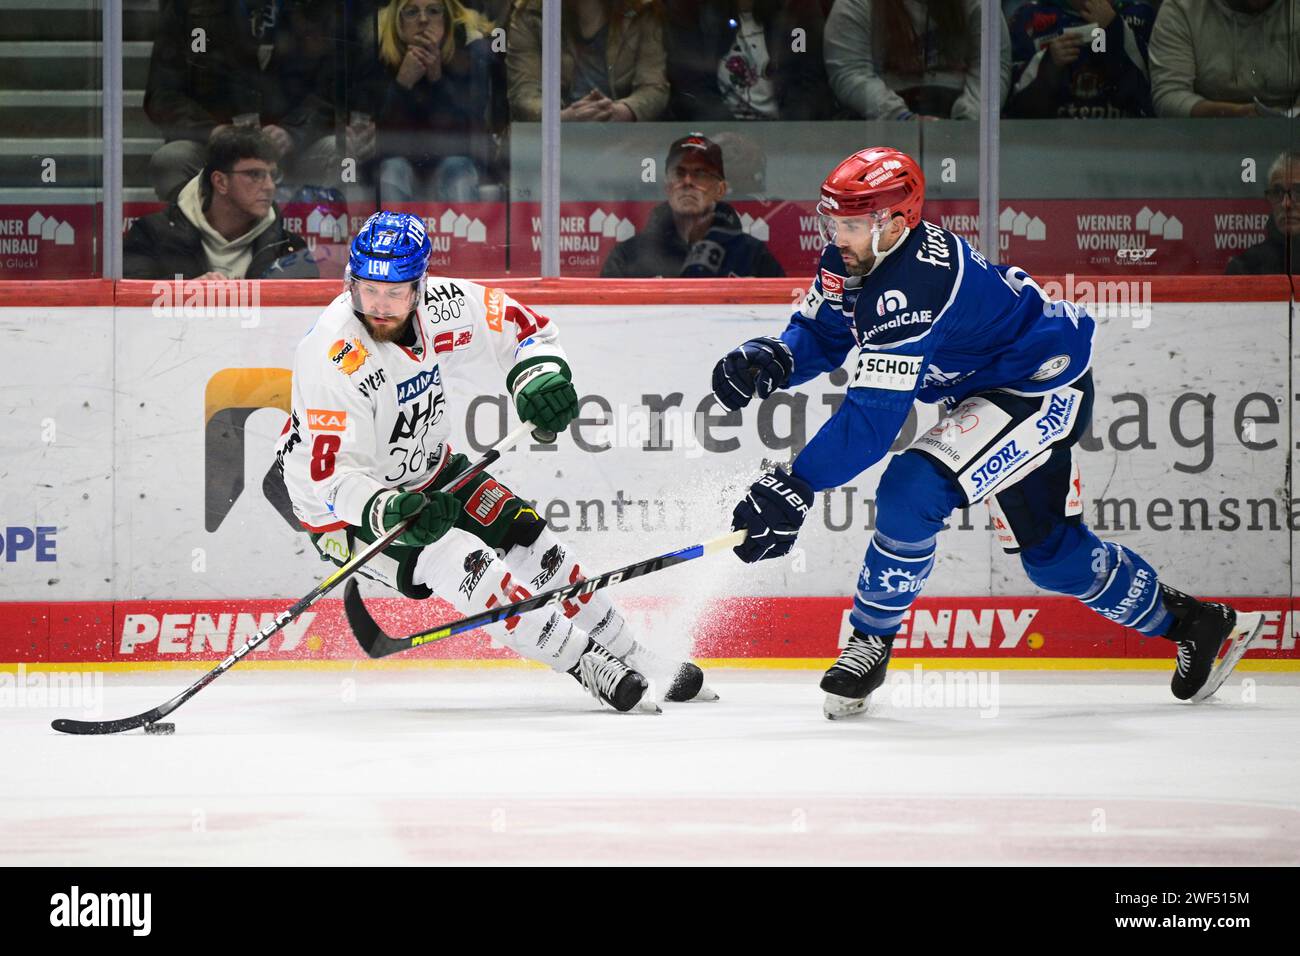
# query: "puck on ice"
161, 728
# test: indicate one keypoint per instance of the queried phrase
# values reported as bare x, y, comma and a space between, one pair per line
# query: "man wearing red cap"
931, 319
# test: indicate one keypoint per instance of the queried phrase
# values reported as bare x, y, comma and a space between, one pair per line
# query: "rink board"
135, 528
1026, 630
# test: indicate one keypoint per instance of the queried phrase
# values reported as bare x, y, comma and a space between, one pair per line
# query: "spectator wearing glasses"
224, 224
612, 63
433, 87
1226, 58
1279, 253
694, 234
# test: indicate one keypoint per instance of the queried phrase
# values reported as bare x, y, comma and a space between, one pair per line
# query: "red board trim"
585, 291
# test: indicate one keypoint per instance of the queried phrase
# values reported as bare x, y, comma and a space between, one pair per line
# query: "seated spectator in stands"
230, 62
694, 235
741, 59
611, 61
1279, 253
1060, 70
1226, 58
224, 224
903, 59
432, 92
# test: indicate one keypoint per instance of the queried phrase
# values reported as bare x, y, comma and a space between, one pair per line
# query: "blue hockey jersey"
934, 321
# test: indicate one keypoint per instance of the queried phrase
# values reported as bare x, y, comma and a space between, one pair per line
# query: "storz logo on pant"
1002, 459
1056, 419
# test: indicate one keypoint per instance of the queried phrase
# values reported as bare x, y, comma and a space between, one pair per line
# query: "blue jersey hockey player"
930, 319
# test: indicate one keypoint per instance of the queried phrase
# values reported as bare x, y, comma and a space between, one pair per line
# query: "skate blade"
1249, 626
836, 707
647, 706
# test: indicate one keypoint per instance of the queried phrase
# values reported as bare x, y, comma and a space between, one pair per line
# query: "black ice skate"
684, 681
1199, 630
859, 671
611, 681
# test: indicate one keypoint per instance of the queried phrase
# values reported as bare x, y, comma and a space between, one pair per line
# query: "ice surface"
511, 765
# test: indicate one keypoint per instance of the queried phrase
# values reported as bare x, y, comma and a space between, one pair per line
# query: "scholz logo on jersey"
998, 464
897, 373
417, 386
1056, 420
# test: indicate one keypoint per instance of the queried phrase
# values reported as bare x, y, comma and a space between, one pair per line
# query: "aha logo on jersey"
348, 355
418, 385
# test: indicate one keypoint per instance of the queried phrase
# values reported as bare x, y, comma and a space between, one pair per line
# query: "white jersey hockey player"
368, 444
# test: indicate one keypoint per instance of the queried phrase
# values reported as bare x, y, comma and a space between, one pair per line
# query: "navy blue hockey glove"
759, 366
772, 513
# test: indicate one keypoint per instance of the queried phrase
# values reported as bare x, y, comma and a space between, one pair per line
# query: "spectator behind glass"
1059, 73
611, 61
431, 91
900, 59
223, 224
1226, 58
695, 235
1279, 253
228, 62
739, 59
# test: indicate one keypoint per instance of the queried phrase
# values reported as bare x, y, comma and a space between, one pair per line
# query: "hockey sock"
893, 574
549, 563
1127, 592
461, 569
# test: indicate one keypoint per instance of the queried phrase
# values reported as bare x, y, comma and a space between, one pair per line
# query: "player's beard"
389, 331
855, 266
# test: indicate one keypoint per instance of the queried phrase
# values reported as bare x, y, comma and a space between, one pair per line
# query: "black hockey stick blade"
364, 628
377, 644
66, 725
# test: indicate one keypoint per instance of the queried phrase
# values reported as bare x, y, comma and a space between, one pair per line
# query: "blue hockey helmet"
391, 247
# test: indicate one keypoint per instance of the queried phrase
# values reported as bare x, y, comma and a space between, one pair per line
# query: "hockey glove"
436, 513
759, 366
772, 513
548, 400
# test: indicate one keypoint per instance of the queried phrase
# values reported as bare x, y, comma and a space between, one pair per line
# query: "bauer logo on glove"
772, 513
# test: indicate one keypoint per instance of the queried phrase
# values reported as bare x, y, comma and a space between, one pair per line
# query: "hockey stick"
69, 726
376, 643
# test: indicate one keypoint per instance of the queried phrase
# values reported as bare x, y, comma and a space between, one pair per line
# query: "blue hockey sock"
893, 574
1128, 592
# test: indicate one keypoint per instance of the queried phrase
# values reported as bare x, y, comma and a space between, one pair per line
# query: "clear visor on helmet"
867, 225
383, 300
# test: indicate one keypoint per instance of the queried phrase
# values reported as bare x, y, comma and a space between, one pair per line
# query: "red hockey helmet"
876, 180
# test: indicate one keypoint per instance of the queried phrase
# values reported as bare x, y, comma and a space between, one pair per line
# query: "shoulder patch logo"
348, 355
832, 286
495, 302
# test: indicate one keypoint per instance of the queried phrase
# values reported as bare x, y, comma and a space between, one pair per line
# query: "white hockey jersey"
372, 415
